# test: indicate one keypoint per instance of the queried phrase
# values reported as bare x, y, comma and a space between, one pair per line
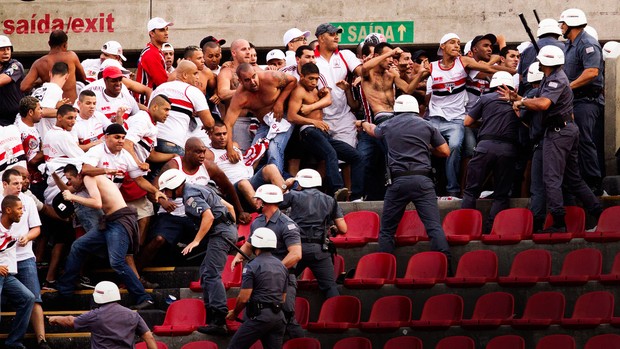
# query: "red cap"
112, 72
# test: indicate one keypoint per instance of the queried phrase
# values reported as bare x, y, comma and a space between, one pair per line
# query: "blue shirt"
556, 88
287, 232
582, 53
198, 199
10, 94
312, 210
529, 56
498, 117
267, 277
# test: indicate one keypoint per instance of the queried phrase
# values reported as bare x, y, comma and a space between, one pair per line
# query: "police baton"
536, 15
230, 243
529, 32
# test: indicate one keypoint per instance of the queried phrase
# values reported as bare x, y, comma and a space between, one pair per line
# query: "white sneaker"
449, 198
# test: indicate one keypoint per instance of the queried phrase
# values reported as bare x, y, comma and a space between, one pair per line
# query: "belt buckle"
557, 129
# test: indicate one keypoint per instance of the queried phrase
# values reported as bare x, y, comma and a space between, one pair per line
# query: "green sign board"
395, 32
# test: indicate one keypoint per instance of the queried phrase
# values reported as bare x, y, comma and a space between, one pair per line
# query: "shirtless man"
227, 80
206, 78
314, 134
41, 68
262, 93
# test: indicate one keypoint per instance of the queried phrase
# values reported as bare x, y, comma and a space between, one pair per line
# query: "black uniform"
496, 152
314, 211
10, 94
407, 137
267, 277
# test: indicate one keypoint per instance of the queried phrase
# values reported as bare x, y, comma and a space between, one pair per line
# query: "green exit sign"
395, 32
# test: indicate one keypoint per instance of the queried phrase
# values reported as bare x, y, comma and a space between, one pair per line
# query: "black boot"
539, 224
559, 225
216, 325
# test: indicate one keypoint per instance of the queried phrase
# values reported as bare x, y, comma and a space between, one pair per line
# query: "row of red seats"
464, 225
442, 311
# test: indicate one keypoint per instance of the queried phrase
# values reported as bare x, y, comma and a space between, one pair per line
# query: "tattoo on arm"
282, 81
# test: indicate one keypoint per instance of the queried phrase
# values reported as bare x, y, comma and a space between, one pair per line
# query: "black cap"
417, 54
211, 38
326, 28
115, 129
489, 37
63, 208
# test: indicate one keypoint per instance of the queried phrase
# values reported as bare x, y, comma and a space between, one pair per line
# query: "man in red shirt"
151, 65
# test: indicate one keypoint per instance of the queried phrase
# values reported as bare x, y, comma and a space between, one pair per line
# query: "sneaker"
85, 282
341, 194
148, 284
43, 345
147, 304
214, 330
591, 230
449, 198
49, 285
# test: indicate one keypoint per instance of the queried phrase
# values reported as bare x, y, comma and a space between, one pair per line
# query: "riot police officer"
263, 291
215, 220
314, 212
408, 137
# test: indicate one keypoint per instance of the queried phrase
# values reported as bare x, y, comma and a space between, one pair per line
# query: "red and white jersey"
30, 219
49, 94
235, 172
142, 131
187, 100
199, 177
11, 148
8, 246
31, 143
108, 105
476, 87
447, 89
91, 129
151, 69
91, 68
100, 156
60, 148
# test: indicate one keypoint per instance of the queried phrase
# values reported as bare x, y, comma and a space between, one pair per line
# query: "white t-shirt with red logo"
143, 133
49, 94
8, 246
30, 219
100, 156
31, 143
91, 129
60, 148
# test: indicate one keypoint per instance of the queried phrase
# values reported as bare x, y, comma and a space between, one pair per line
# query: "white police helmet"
406, 103
611, 49
5, 41
533, 73
106, 292
548, 26
590, 30
264, 238
308, 178
269, 193
171, 179
550, 56
502, 78
573, 17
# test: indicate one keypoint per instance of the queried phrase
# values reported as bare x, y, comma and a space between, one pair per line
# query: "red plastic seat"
229, 278
408, 342
307, 280
475, 268
462, 226
302, 343
302, 311
613, 278
591, 310
200, 345
603, 341
440, 312
456, 342
556, 341
160, 345
410, 229
233, 325
353, 343
363, 227
337, 315
542, 310
424, 269
528, 268
373, 271
257, 345
182, 318
388, 314
491, 311
510, 227
575, 227
509, 341
579, 266
608, 228
243, 230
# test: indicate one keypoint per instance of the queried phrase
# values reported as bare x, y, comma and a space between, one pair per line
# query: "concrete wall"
612, 123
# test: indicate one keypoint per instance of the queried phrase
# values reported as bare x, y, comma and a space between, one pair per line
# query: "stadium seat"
373, 271
353, 343
233, 325
337, 315
302, 311
200, 345
608, 228
440, 312
542, 310
603, 341
402, 342
509, 341
182, 318
613, 278
575, 227
410, 229
388, 314
528, 268
302, 343
307, 280
229, 278
243, 231
363, 227
475, 268
456, 342
510, 227
556, 341
491, 311
579, 266
257, 345
462, 226
160, 345
424, 269
591, 310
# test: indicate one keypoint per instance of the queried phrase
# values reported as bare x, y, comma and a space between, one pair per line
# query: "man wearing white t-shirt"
50, 95
30, 115
90, 123
115, 102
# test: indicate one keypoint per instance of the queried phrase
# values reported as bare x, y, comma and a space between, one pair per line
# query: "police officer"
288, 249
497, 148
215, 218
263, 291
11, 76
408, 137
548, 33
584, 69
560, 146
314, 212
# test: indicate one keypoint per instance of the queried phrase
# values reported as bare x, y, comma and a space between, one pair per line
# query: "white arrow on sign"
401, 30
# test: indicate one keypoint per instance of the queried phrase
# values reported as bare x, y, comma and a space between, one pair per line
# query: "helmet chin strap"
565, 34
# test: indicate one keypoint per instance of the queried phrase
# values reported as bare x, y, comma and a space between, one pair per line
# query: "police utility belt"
556, 125
254, 309
226, 218
425, 173
498, 139
587, 92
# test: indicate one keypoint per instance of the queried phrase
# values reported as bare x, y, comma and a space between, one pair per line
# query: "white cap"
550, 56
548, 26
113, 48
274, 54
269, 193
171, 179
533, 73
446, 38
5, 41
406, 103
264, 238
590, 30
166, 46
106, 292
292, 34
158, 23
308, 178
113, 63
467, 48
502, 78
522, 46
611, 49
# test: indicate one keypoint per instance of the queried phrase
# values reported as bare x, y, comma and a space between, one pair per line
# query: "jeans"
163, 146
116, 239
331, 150
27, 275
275, 153
453, 131
88, 217
23, 301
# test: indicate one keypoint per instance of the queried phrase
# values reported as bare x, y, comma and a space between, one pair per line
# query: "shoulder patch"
589, 49
244, 270
553, 84
291, 226
190, 201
